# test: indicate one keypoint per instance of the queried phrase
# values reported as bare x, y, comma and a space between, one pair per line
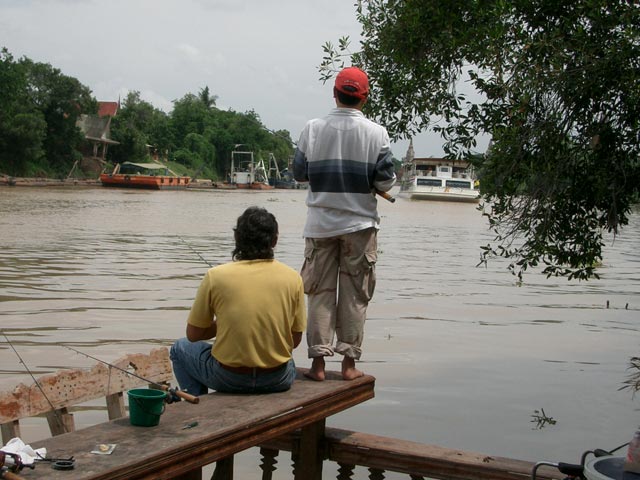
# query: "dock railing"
379, 455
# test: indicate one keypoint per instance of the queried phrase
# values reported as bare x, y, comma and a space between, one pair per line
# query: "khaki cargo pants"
339, 279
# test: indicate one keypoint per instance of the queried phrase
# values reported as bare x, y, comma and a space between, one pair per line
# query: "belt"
250, 370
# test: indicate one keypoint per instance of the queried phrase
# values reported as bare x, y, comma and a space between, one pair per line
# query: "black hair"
348, 100
256, 233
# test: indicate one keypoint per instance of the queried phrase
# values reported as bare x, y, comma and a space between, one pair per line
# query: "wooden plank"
310, 457
115, 406
67, 388
422, 459
60, 421
10, 430
193, 475
224, 469
227, 424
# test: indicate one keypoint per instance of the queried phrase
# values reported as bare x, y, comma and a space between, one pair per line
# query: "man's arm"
297, 338
198, 333
384, 173
300, 169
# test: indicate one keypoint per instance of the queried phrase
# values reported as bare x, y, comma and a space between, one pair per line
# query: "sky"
260, 55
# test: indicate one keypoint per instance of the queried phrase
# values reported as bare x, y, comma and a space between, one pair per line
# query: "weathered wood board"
71, 387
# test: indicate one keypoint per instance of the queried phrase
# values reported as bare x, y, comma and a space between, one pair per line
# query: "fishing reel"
172, 395
11, 463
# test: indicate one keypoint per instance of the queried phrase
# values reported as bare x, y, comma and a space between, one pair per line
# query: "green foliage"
39, 137
205, 136
22, 127
61, 99
555, 85
38, 116
137, 125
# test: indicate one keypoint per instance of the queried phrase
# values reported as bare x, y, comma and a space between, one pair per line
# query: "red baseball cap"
353, 81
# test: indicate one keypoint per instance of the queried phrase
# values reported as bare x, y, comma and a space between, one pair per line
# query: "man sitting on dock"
254, 308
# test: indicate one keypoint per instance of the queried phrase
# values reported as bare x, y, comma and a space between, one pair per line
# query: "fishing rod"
9, 475
386, 196
173, 391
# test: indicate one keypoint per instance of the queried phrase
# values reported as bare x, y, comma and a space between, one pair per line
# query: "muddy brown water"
464, 357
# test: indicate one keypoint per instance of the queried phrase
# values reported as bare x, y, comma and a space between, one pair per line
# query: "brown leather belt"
250, 370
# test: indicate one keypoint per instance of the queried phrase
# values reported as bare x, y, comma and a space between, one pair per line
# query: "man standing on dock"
254, 308
345, 158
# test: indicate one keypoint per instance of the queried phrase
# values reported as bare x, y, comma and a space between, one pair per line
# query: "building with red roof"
108, 109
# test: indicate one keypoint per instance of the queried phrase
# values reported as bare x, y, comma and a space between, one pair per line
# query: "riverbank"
6, 180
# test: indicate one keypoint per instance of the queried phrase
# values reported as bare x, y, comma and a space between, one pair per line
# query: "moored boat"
247, 174
281, 178
152, 176
438, 179
441, 183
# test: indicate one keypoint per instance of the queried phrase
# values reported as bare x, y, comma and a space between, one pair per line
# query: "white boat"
438, 179
247, 173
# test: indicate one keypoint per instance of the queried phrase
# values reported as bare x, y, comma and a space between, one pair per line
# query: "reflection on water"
462, 354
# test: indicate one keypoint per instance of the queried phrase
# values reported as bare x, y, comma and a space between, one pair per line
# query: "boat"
153, 176
438, 179
281, 178
443, 182
247, 174
284, 180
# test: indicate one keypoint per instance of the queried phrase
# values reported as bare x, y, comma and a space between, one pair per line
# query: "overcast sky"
252, 54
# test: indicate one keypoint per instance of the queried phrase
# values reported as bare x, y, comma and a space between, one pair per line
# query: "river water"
463, 356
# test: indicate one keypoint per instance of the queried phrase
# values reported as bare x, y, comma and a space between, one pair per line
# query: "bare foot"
349, 370
316, 372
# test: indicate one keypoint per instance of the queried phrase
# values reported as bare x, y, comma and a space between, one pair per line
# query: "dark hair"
255, 233
348, 100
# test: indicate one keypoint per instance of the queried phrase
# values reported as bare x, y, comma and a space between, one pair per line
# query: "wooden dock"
225, 424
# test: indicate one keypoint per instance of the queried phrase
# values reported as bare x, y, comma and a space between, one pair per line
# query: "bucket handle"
144, 410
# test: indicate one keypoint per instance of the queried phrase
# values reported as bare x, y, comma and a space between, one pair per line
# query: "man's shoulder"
284, 268
316, 121
218, 269
243, 267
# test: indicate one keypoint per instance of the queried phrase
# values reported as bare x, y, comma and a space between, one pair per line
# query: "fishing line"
55, 411
173, 391
194, 251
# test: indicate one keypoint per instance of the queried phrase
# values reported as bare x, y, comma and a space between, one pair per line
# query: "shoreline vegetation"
10, 181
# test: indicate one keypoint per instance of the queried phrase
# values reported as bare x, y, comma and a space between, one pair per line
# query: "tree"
137, 126
40, 107
206, 98
22, 127
556, 87
61, 99
204, 135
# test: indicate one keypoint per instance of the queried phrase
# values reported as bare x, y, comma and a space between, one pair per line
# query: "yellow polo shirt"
256, 304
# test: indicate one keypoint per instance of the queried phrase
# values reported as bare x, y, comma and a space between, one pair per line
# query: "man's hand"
197, 333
